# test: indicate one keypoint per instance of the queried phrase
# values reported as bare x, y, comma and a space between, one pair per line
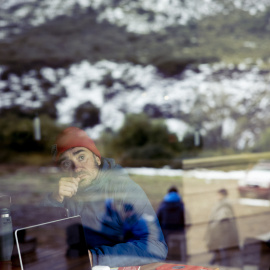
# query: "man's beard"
89, 177
86, 181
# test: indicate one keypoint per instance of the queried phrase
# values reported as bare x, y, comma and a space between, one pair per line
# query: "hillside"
208, 71
230, 34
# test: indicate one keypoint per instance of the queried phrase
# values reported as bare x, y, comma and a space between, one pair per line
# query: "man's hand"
68, 187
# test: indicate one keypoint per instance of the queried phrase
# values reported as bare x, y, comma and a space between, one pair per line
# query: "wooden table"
7, 266
151, 266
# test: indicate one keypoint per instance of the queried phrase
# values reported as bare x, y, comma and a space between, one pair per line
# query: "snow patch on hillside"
133, 87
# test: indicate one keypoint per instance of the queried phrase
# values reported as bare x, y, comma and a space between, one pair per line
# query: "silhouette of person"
171, 216
222, 234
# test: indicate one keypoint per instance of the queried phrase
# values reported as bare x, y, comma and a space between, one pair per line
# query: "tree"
209, 111
152, 110
19, 137
87, 115
263, 143
143, 138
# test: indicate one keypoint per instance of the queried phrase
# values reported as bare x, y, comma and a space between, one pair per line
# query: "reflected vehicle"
256, 182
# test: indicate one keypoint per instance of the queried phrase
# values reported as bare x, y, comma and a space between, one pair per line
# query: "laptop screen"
53, 245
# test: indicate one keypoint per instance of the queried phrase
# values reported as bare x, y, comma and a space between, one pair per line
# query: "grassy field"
29, 184
26, 185
156, 186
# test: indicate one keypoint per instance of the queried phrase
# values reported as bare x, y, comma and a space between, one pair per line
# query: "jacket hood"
172, 197
108, 165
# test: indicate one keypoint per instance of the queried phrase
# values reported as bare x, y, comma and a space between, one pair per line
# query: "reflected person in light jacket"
222, 236
92, 186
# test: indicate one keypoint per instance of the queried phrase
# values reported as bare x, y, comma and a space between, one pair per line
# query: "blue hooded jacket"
171, 213
121, 227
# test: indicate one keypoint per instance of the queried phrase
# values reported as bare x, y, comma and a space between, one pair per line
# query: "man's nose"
76, 167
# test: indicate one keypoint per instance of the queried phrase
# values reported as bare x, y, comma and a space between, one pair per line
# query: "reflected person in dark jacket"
95, 187
171, 216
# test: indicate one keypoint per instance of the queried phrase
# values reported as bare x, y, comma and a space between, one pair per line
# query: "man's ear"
98, 160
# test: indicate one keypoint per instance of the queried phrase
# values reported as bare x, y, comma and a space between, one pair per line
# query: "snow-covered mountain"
205, 98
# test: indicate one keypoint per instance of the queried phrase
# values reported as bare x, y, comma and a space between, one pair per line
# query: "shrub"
142, 138
17, 136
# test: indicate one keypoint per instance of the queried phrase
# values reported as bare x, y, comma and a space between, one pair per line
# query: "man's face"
82, 163
220, 196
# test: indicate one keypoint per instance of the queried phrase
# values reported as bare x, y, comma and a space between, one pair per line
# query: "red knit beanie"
74, 137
